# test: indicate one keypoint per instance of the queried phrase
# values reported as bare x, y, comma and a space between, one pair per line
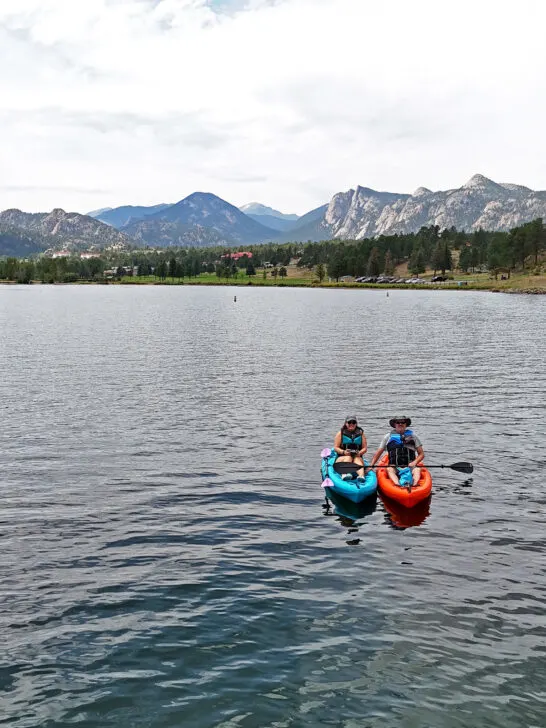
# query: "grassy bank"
522, 283
297, 278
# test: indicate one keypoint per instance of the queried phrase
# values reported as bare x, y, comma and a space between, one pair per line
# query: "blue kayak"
352, 489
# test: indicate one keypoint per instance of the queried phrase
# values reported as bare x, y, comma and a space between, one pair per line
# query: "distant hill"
58, 229
119, 217
17, 243
198, 213
256, 208
96, 213
275, 223
308, 227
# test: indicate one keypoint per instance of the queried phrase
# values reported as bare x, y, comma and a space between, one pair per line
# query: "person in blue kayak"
350, 445
405, 452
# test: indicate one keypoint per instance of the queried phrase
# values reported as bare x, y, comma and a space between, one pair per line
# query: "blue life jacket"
351, 440
401, 448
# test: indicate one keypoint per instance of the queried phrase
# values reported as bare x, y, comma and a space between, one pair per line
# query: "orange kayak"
401, 494
402, 517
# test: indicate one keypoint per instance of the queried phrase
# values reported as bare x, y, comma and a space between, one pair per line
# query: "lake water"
165, 559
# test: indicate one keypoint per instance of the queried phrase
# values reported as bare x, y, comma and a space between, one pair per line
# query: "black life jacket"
351, 440
401, 449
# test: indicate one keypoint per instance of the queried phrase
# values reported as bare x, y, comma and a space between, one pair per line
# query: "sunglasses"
400, 422
351, 422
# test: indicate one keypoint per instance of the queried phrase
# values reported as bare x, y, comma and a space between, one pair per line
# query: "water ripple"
166, 559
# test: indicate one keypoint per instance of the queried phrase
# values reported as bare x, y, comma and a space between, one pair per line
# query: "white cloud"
108, 102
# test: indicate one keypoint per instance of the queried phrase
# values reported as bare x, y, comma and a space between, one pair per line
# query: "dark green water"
165, 559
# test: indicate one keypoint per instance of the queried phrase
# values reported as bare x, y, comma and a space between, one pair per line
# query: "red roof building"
236, 256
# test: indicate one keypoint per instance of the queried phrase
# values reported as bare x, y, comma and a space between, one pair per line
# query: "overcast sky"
111, 102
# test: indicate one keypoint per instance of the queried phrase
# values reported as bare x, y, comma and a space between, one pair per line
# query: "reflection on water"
399, 517
164, 557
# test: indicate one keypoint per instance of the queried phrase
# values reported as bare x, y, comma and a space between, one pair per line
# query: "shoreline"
531, 290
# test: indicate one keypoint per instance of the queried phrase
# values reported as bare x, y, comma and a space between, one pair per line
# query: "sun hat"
407, 420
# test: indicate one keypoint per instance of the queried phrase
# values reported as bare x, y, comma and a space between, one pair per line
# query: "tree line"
432, 249
522, 248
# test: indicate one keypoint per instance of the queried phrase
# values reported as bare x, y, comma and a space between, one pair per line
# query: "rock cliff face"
64, 229
363, 212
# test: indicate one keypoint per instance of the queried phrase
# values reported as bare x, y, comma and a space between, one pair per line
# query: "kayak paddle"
345, 467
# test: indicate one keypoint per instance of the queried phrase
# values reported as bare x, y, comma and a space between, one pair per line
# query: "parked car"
438, 279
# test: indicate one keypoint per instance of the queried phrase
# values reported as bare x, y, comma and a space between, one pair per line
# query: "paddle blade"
327, 483
463, 467
326, 453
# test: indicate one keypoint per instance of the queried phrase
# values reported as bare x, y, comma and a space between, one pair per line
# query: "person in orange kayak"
405, 452
350, 444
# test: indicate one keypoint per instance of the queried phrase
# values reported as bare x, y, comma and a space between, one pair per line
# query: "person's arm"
379, 451
337, 444
364, 447
419, 459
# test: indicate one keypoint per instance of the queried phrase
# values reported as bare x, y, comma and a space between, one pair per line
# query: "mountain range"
203, 219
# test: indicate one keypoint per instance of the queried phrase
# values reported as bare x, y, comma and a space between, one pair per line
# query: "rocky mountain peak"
479, 181
421, 191
480, 203
62, 229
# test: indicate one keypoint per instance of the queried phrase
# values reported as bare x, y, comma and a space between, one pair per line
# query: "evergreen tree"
437, 256
373, 266
320, 272
10, 269
441, 257
465, 258
335, 266
536, 236
25, 272
518, 239
173, 268
389, 264
161, 269
416, 263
